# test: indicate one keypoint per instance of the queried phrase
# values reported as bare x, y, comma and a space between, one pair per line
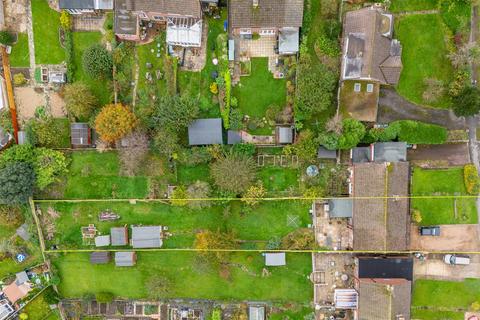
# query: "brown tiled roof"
173, 7
384, 299
380, 224
379, 55
269, 13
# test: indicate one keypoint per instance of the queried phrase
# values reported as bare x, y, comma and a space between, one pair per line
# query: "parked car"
454, 259
430, 231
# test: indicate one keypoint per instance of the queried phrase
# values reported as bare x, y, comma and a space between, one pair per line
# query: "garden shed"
81, 135
284, 135
275, 259
102, 241
58, 77
119, 236
340, 208
205, 131
147, 237
256, 313
100, 257
125, 258
324, 153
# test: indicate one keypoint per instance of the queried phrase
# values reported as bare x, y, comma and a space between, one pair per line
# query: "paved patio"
331, 233
88, 22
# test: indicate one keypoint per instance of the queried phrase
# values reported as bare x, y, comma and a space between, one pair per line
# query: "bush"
228, 93
178, 196
19, 79
217, 314
97, 62
247, 149
416, 216
418, 132
195, 156
104, 297
17, 181
79, 100
253, 194
65, 20
68, 43
470, 176
6, 38
236, 119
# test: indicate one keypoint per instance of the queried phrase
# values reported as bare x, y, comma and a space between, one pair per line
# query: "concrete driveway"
435, 268
453, 237
456, 154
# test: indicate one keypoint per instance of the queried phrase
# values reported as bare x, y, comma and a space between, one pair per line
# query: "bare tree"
132, 151
198, 190
334, 124
467, 54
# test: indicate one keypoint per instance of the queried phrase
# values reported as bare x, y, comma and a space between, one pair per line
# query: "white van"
453, 259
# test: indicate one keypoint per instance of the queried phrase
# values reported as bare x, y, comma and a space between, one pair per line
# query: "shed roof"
80, 134
385, 268
21, 278
390, 151
256, 313
57, 77
234, 137
205, 131
268, 13
340, 208
99, 257
102, 241
324, 153
125, 258
275, 259
284, 135
119, 236
380, 224
147, 237
76, 4
361, 154
386, 299
288, 40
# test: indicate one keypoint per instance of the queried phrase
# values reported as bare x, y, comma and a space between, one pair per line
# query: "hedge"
470, 176
416, 132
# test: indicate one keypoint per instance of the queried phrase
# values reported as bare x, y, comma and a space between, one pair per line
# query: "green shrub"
19, 79
470, 176
255, 36
104, 297
216, 314
327, 46
247, 149
65, 20
97, 62
228, 94
6, 38
418, 132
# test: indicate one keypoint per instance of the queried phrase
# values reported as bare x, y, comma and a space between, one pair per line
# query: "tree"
233, 172
174, 113
315, 88
467, 103
178, 196
306, 146
209, 241
17, 181
254, 193
97, 62
6, 38
79, 100
114, 122
467, 54
198, 190
132, 152
352, 133
433, 91
7, 248
165, 142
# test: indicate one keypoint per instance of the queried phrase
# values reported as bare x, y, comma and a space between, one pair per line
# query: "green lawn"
188, 278
189, 174
20, 56
97, 175
444, 295
145, 55
291, 314
39, 309
101, 88
46, 23
424, 55
266, 221
279, 179
436, 315
412, 5
442, 211
255, 93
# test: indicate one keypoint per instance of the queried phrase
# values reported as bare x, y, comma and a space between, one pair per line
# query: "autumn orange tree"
114, 122
207, 240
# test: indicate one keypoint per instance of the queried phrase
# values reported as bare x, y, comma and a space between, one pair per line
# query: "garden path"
31, 45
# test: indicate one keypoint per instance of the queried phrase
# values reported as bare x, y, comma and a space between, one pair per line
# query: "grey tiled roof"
146, 237
268, 14
390, 151
170, 7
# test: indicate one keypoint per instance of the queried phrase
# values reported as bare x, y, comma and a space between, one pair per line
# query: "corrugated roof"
205, 131
125, 258
268, 13
119, 236
147, 237
100, 257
